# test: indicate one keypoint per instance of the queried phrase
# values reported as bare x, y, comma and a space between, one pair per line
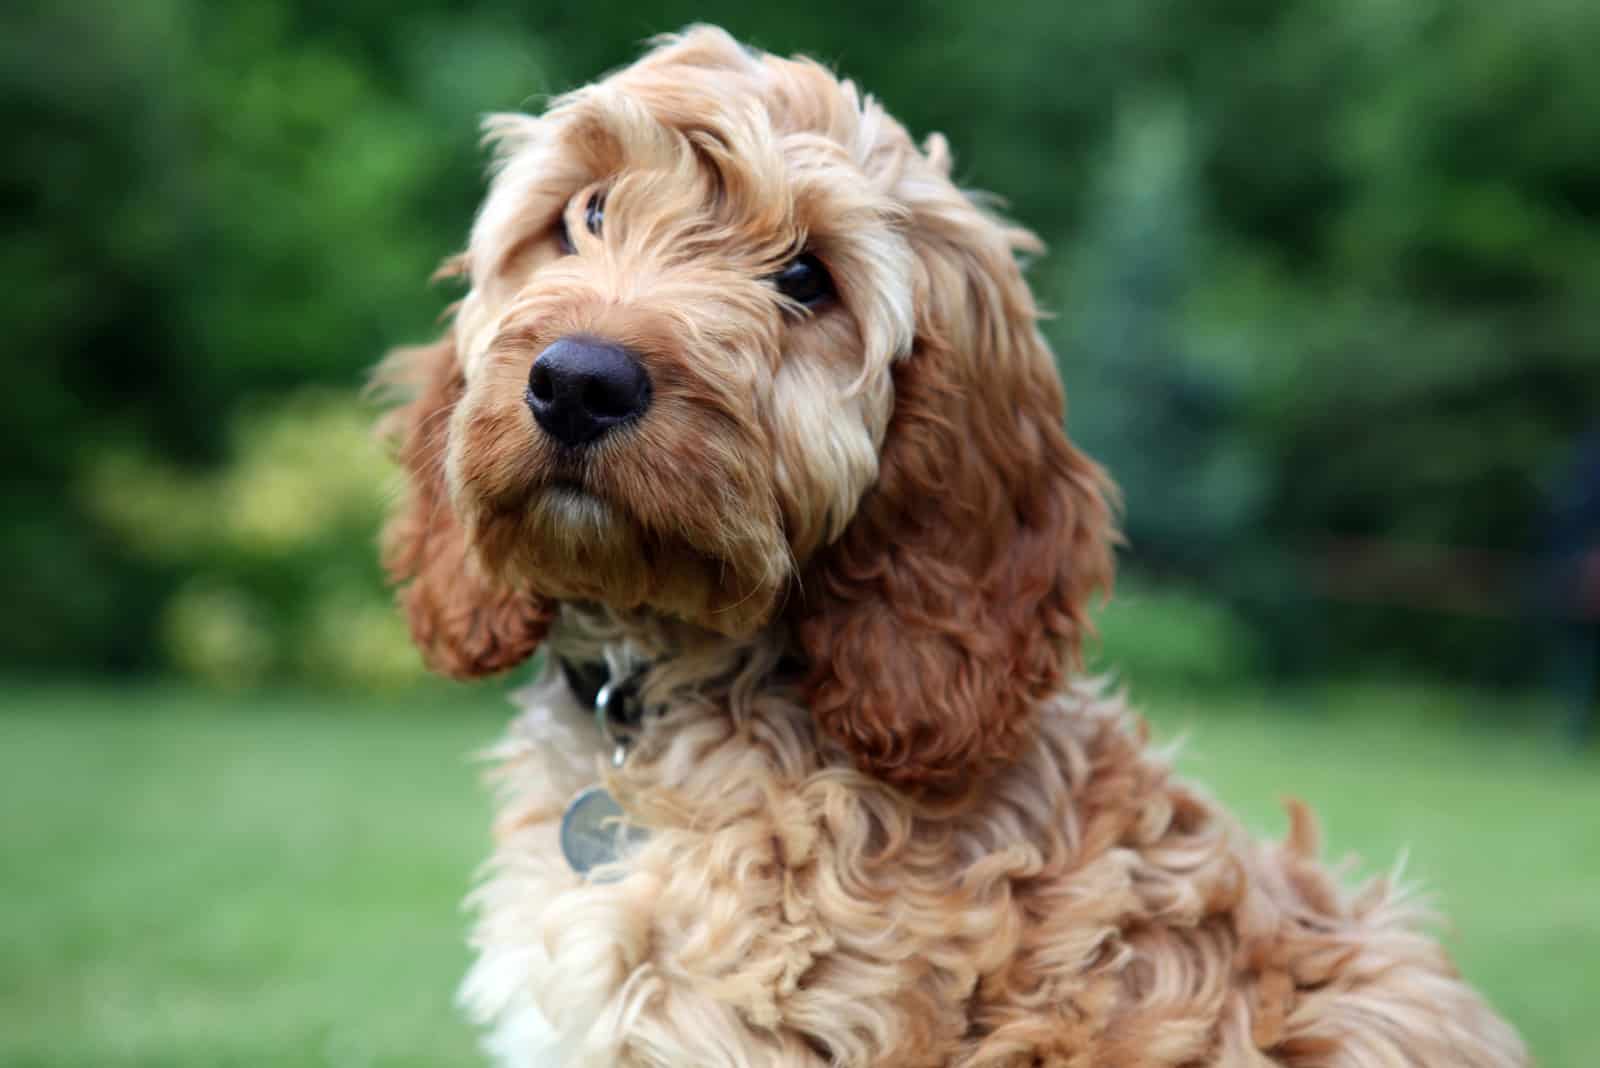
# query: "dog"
746, 419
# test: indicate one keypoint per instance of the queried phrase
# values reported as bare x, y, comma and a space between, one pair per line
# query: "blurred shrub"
218, 204
1166, 636
275, 548
217, 633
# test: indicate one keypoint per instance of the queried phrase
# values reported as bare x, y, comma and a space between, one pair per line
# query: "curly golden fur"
856, 549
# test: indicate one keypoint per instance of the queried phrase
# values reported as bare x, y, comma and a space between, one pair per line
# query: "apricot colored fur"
887, 823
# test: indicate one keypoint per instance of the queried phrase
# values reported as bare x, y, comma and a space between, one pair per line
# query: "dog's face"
736, 353
688, 285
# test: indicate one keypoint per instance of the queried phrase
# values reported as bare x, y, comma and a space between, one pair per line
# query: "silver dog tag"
593, 832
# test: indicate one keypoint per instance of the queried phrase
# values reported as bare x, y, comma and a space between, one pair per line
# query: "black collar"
584, 678
589, 678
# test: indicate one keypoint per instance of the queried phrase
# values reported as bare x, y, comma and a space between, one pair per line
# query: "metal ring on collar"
617, 716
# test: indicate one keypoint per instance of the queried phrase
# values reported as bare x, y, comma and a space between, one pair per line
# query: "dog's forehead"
712, 157
734, 108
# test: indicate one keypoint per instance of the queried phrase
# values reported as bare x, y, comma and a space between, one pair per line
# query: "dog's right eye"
594, 213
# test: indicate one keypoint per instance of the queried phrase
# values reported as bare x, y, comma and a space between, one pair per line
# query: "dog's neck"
667, 657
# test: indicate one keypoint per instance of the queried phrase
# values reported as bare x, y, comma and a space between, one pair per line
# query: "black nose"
580, 387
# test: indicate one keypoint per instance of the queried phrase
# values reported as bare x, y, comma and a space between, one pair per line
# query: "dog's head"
737, 352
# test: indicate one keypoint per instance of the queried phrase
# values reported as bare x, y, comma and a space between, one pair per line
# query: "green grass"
187, 879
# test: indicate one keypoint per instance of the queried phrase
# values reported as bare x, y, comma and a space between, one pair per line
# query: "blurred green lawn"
188, 879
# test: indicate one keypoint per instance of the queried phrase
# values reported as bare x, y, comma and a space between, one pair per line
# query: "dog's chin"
568, 543
567, 511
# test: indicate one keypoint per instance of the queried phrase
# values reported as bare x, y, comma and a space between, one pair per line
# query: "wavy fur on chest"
1084, 909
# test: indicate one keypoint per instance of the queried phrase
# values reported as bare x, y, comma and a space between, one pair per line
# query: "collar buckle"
618, 712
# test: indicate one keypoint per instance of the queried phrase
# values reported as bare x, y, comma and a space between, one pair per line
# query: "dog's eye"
594, 214
805, 280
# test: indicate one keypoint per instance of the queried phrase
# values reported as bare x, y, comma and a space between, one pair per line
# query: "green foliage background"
1322, 275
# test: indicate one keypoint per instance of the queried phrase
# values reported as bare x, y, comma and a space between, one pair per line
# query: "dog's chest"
751, 924
784, 912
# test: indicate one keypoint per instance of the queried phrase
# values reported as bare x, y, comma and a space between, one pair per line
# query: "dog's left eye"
594, 213
805, 280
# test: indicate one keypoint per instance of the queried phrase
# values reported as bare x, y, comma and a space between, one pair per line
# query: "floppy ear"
464, 624
957, 597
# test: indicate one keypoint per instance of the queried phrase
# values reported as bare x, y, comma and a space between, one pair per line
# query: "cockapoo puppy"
746, 418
